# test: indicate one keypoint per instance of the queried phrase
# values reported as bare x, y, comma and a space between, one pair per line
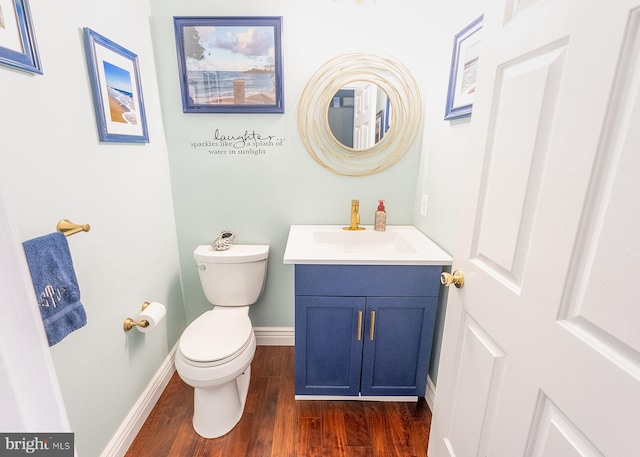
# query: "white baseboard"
124, 436
134, 421
430, 395
274, 336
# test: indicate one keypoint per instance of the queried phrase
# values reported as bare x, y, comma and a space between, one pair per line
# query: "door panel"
516, 152
600, 301
541, 348
555, 436
478, 380
364, 116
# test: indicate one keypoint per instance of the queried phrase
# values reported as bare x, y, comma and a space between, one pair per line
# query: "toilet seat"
216, 337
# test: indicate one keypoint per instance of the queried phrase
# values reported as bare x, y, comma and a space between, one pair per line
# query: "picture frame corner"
456, 108
19, 48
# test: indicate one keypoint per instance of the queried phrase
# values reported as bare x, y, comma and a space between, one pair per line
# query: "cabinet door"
328, 353
397, 347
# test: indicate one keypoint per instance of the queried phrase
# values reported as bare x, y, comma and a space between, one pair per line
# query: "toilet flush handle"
201, 267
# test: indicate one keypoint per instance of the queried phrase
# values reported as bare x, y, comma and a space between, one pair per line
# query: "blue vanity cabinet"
395, 358
364, 329
328, 355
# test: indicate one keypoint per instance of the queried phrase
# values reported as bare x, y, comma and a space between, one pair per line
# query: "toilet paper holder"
130, 323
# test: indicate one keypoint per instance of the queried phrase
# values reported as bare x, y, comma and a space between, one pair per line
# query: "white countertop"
330, 244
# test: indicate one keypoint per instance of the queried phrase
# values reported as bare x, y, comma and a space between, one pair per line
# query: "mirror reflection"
359, 115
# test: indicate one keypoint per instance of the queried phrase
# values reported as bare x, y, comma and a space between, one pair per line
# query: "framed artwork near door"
18, 47
117, 93
464, 68
230, 64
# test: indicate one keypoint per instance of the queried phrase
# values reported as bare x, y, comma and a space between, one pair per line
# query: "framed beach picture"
464, 68
117, 94
17, 39
230, 64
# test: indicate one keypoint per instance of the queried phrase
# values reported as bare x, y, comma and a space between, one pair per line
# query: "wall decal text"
247, 143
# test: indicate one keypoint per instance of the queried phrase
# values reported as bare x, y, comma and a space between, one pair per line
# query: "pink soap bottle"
380, 223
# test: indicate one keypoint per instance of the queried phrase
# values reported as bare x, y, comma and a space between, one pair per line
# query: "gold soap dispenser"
380, 224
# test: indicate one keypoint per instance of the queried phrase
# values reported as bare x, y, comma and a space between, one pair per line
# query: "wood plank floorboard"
274, 424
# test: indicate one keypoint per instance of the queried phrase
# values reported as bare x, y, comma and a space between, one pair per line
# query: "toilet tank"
234, 277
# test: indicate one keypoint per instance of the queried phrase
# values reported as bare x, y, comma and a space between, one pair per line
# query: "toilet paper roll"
154, 313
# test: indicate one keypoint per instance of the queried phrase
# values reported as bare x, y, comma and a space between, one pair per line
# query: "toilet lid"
215, 336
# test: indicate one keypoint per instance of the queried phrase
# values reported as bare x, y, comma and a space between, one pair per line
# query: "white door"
364, 116
541, 347
30, 398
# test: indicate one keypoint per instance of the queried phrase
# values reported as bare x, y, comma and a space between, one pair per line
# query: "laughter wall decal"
250, 143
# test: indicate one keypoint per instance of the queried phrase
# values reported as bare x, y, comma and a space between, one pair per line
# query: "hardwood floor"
275, 424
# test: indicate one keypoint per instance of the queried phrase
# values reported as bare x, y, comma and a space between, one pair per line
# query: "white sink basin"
330, 244
360, 241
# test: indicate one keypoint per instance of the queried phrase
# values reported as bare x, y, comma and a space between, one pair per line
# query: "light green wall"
53, 167
444, 148
260, 197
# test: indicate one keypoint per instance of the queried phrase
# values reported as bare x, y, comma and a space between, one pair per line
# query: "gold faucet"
355, 216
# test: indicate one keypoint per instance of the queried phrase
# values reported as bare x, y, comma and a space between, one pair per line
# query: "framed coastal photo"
230, 64
18, 47
117, 94
464, 68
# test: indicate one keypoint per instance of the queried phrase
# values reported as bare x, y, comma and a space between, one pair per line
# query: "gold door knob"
457, 279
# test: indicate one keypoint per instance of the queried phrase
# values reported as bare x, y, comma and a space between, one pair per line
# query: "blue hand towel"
56, 286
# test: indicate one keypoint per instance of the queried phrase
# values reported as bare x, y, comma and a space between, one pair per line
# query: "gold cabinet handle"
457, 279
359, 325
372, 327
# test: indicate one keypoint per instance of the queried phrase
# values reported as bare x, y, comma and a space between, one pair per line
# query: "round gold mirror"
394, 117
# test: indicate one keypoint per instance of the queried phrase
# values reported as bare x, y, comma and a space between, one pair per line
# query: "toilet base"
217, 410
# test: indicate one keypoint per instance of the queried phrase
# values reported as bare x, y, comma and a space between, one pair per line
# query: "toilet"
215, 351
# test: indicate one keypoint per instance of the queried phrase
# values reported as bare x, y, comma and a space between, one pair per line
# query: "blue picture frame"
230, 64
117, 92
18, 48
462, 75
